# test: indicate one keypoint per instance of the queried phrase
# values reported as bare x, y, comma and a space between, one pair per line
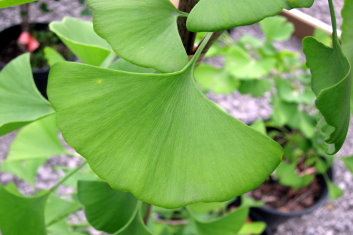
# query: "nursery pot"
274, 217
253, 215
256, 217
8, 38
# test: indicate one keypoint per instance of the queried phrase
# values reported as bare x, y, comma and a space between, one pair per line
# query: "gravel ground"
334, 218
320, 10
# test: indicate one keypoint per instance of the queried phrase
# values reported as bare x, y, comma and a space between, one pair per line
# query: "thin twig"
147, 214
62, 216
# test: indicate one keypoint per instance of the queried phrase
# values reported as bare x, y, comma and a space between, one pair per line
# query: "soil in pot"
287, 199
297, 187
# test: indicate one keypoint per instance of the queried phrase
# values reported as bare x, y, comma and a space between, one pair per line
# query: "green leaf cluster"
102, 204
162, 122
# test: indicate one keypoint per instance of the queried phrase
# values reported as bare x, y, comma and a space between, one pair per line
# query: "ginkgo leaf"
215, 79
347, 35
58, 209
20, 101
255, 87
348, 163
253, 228
157, 136
228, 224
20, 215
25, 170
293, 93
334, 191
347, 29
106, 209
124, 65
80, 38
287, 175
331, 83
33, 145
216, 15
37, 140
242, 66
11, 3
277, 28
143, 32
260, 126
52, 56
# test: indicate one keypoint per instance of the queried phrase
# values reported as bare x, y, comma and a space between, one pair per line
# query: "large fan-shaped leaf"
106, 209
157, 136
20, 101
10, 3
20, 215
79, 36
216, 15
144, 32
331, 83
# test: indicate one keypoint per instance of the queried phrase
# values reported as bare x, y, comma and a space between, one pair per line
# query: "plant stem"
60, 217
212, 40
201, 48
334, 23
188, 38
147, 214
66, 177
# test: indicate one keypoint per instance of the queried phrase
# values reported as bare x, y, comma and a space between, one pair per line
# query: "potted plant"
303, 181
141, 122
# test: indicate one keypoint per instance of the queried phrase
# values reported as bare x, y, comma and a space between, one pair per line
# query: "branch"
188, 38
147, 214
212, 40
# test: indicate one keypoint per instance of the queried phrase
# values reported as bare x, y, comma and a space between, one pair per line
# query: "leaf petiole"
66, 177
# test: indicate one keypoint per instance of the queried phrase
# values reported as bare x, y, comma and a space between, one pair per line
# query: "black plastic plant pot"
273, 217
9, 36
256, 218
